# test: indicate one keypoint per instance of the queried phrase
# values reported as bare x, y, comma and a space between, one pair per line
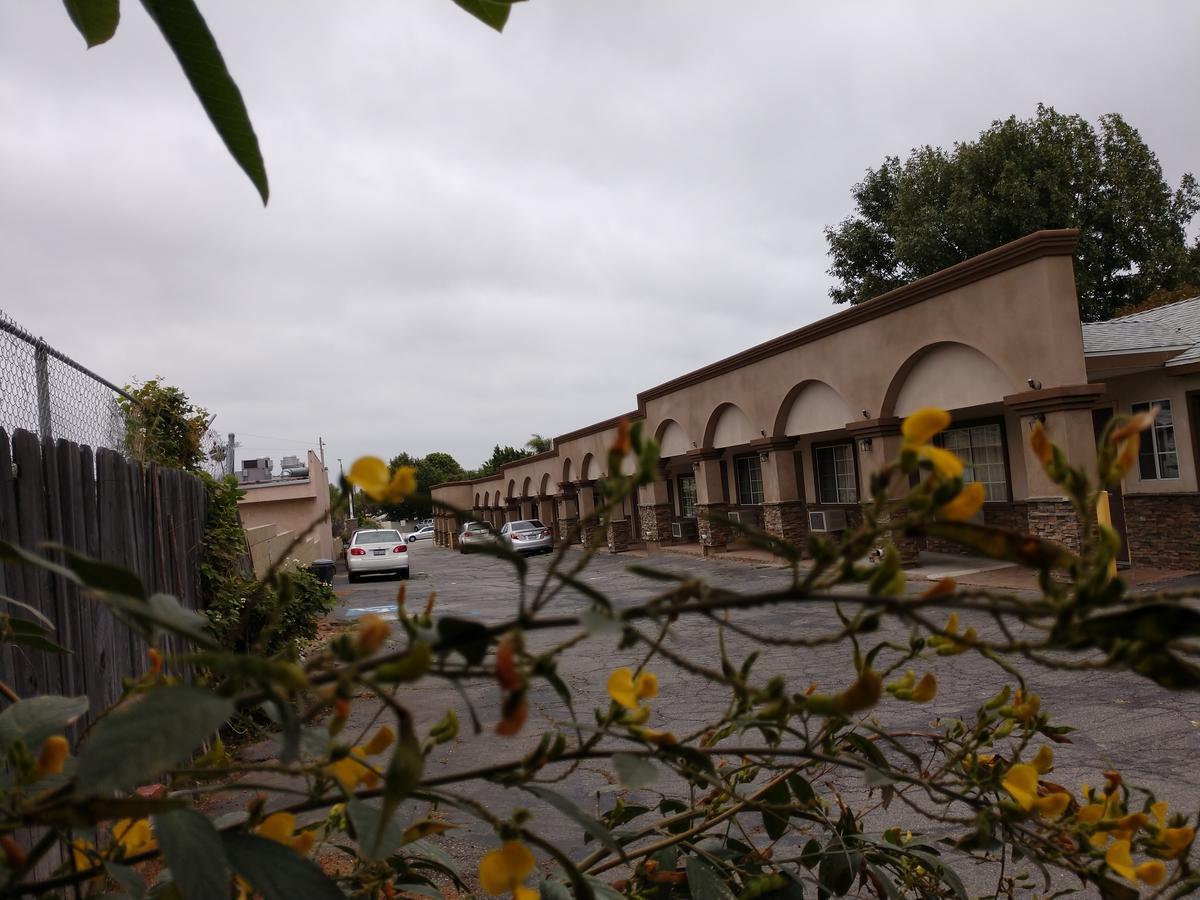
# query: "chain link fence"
48, 393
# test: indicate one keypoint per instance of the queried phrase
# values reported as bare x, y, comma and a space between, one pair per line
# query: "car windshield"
474, 526
531, 525
377, 537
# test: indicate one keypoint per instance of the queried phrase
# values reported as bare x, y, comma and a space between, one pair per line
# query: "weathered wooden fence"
145, 518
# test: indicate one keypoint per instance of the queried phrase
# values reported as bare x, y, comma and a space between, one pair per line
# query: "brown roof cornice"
1056, 242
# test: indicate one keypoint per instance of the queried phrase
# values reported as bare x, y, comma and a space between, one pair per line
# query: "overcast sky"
474, 236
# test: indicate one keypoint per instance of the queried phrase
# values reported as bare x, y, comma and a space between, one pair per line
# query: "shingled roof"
1173, 326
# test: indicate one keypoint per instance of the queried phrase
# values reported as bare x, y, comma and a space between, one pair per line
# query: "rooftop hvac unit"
292, 467
685, 530
827, 520
254, 470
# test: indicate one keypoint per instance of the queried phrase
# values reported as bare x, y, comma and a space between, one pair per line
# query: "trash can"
323, 569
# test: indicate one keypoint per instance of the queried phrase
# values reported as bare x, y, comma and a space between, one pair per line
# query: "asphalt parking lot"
1127, 723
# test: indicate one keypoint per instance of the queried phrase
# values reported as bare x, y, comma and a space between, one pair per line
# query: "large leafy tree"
433, 468
938, 207
500, 456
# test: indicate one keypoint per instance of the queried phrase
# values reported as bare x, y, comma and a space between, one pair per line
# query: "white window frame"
684, 512
969, 461
754, 464
1152, 434
843, 497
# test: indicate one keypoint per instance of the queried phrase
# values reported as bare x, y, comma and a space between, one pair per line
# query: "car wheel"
404, 573
412, 540
352, 578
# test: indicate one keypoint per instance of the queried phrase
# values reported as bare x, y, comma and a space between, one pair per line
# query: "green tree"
433, 468
939, 207
163, 426
500, 456
538, 444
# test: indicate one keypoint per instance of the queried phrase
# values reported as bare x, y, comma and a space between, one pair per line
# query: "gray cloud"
510, 233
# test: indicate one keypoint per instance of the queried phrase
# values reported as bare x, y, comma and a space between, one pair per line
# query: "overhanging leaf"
102, 576
188, 36
634, 771
133, 745
37, 718
471, 639
96, 19
492, 13
577, 815
277, 872
193, 850
377, 836
704, 883
775, 822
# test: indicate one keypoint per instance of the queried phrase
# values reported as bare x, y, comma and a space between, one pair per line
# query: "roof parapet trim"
1050, 242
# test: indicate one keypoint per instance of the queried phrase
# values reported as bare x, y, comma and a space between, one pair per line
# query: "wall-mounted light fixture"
866, 413
1037, 417
864, 445
764, 455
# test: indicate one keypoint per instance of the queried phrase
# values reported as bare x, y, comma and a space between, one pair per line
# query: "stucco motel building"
784, 435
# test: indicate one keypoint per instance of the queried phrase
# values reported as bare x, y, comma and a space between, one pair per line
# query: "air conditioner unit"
254, 470
827, 520
734, 516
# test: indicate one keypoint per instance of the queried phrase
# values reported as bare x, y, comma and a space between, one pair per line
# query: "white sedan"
421, 534
376, 550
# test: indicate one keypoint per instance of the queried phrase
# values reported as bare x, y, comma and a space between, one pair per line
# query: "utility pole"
229, 464
321, 447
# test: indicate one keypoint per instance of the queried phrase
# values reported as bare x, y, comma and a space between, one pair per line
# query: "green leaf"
573, 812
470, 639
776, 822
131, 882
377, 837
102, 576
137, 742
1153, 623
37, 718
277, 872
942, 871
838, 867
192, 43
811, 854
492, 13
634, 771
194, 852
96, 19
37, 613
28, 633
704, 883
553, 890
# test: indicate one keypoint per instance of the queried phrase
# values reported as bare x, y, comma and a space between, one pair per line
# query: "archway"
672, 439
728, 426
948, 375
811, 407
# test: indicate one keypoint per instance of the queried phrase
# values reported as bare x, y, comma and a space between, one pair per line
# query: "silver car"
527, 536
425, 533
376, 550
473, 534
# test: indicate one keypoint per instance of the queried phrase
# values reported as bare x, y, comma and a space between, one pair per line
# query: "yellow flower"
503, 870
373, 632
1176, 840
1042, 448
370, 473
950, 644
863, 694
945, 463
926, 688
966, 504
1118, 858
1021, 781
51, 756
353, 770
383, 739
627, 691
1043, 760
923, 425
280, 827
133, 836
908, 688
83, 854
1151, 872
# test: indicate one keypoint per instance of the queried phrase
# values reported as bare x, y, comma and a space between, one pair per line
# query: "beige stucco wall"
291, 508
1123, 392
964, 345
